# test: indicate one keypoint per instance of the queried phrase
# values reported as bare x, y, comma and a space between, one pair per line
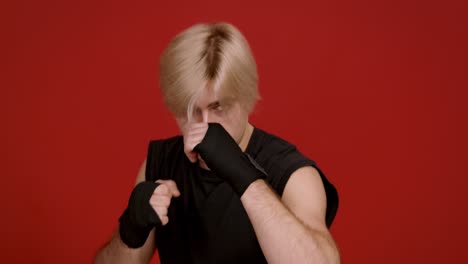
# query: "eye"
197, 112
216, 107
219, 107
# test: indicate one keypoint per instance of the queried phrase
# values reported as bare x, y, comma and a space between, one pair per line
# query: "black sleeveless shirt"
207, 223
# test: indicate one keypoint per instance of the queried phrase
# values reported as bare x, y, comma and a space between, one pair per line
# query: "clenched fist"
147, 207
193, 135
161, 198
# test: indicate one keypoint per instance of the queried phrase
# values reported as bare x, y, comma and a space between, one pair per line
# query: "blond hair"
207, 55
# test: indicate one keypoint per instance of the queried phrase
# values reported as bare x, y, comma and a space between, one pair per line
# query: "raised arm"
292, 229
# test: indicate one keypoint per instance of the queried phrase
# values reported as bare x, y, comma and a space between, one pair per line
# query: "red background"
374, 91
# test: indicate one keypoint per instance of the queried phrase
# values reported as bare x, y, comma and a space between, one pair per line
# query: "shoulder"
278, 157
155, 149
269, 148
264, 142
163, 152
168, 147
167, 143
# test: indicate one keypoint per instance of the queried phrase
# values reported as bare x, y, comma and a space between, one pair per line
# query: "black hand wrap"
139, 218
225, 158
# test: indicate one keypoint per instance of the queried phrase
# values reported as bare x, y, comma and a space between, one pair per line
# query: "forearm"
282, 237
117, 252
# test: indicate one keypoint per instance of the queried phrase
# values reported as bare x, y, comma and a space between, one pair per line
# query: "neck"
244, 142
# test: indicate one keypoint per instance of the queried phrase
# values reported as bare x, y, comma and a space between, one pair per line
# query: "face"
210, 108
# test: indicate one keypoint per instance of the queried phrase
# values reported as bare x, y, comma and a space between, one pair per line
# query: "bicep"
141, 173
304, 195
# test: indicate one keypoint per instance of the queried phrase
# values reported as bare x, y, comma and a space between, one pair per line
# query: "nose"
205, 116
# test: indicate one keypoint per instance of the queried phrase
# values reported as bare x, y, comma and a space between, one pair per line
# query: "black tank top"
207, 223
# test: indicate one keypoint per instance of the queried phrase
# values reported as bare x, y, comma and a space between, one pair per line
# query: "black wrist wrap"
225, 158
139, 218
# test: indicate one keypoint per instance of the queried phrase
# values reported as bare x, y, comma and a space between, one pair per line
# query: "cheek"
235, 124
182, 124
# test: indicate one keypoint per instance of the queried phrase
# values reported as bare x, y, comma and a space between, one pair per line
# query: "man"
225, 191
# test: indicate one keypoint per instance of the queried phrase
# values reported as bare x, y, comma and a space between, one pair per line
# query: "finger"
161, 181
188, 150
173, 188
199, 135
192, 156
197, 125
160, 200
192, 142
161, 211
164, 220
199, 130
190, 146
194, 139
162, 189
195, 133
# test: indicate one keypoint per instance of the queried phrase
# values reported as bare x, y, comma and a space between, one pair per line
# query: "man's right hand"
161, 198
147, 207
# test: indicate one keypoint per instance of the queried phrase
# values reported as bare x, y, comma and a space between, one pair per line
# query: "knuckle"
171, 184
163, 201
161, 211
153, 199
162, 189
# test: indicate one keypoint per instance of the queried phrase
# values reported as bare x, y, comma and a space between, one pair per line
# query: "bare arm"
115, 251
292, 230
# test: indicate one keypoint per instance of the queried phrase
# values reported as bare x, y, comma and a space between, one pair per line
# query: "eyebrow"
214, 104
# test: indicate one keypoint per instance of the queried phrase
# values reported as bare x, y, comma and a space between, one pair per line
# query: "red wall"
374, 91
